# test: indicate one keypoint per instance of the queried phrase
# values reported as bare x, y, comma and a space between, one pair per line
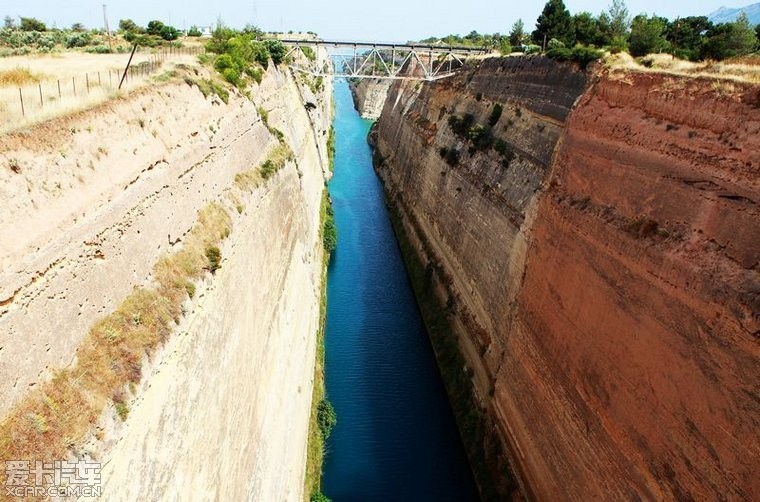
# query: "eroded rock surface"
602, 278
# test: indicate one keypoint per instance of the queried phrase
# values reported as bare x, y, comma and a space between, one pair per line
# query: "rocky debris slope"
601, 277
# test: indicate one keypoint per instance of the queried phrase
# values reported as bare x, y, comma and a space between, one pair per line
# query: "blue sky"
379, 20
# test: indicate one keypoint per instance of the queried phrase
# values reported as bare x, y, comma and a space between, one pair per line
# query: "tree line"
150, 34
559, 32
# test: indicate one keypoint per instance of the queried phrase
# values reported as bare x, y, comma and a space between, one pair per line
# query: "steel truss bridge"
379, 60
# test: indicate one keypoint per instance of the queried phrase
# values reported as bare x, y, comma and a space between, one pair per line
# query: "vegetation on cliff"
331, 148
479, 137
241, 57
57, 417
322, 417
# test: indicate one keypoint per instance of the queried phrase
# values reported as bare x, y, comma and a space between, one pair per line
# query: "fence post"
59, 88
21, 97
98, 78
41, 103
110, 82
128, 63
87, 81
74, 85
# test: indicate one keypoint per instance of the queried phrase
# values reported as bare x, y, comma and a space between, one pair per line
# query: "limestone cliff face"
223, 408
603, 284
369, 96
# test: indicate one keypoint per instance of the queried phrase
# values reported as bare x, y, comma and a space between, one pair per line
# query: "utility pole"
108, 31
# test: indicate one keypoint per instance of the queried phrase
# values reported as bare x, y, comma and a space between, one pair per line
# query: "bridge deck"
388, 45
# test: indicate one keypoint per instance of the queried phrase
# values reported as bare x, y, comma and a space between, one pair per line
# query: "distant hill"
727, 15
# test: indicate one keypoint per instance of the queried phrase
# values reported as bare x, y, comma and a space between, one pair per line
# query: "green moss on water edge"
317, 435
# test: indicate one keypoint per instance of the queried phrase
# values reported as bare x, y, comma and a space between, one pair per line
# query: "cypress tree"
555, 22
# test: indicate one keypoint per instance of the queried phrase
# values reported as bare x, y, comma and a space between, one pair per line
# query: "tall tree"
517, 34
9, 23
555, 22
129, 25
154, 27
620, 19
32, 24
586, 28
685, 35
648, 35
730, 40
604, 25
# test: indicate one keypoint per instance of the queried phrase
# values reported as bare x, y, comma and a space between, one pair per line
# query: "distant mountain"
728, 15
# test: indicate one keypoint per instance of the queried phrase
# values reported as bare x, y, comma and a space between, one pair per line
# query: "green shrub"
190, 288
220, 91
319, 497
461, 125
214, 257
78, 40
619, 44
331, 149
276, 50
560, 54
257, 74
329, 230
480, 136
532, 49
309, 53
122, 410
495, 114
194, 31
506, 152
98, 49
264, 114
585, 55
232, 75
223, 62
243, 53
452, 157
268, 168
326, 417
169, 33
581, 54
129, 25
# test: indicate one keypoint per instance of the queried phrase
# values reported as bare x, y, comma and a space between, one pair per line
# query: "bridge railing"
384, 60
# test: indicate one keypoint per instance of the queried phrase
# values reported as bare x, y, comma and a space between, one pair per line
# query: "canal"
396, 438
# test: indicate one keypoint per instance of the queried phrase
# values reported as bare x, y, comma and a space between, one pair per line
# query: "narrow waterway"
396, 438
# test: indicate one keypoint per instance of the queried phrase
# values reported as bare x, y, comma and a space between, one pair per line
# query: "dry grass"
18, 77
276, 160
52, 420
742, 70
66, 71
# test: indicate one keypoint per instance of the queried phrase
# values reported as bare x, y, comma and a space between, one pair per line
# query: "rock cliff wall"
598, 269
369, 96
96, 199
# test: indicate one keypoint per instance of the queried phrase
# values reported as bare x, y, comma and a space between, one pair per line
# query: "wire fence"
48, 98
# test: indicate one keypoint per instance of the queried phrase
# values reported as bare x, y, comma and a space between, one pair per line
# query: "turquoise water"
396, 439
